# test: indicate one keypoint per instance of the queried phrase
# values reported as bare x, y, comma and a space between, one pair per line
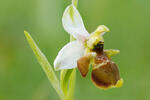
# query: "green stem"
64, 80
72, 85
75, 2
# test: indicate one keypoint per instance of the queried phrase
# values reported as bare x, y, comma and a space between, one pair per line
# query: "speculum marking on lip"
106, 75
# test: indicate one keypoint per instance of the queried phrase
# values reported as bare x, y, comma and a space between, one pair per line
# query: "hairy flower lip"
106, 76
105, 73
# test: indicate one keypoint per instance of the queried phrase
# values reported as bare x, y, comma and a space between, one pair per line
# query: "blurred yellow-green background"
22, 78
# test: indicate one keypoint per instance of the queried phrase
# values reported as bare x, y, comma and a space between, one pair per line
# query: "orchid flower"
87, 50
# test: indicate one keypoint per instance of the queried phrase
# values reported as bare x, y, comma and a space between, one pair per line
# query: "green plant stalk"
64, 80
72, 85
45, 65
75, 2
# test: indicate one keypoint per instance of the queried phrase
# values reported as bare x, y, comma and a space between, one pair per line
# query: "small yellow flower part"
111, 52
101, 29
93, 40
87, 51
119, 83
97, 36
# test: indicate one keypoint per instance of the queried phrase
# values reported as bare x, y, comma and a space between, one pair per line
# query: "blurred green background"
22, 78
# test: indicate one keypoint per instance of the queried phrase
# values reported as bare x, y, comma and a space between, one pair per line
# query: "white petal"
73, 23
68, 56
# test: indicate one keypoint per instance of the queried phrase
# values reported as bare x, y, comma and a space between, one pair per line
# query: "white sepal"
68, 56
73, 24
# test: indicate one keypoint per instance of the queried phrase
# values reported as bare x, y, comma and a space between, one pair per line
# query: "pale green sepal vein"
45, 65
71, 12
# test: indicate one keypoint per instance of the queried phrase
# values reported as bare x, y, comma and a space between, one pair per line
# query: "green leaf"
45, 65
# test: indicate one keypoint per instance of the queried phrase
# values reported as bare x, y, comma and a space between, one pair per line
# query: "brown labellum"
105, 73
